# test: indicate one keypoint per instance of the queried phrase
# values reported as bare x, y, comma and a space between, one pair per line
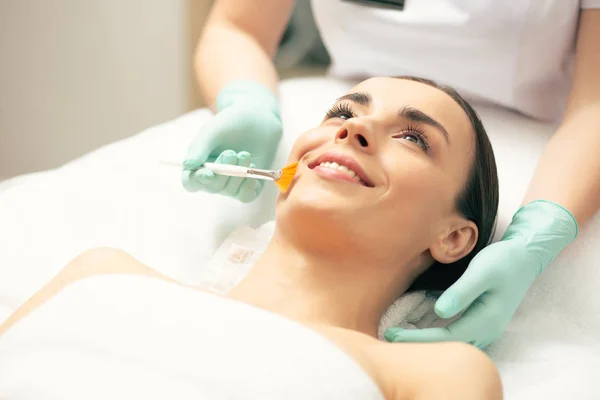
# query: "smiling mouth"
341, 166
332, 165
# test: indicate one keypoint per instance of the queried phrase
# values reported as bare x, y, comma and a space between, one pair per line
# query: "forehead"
390, 94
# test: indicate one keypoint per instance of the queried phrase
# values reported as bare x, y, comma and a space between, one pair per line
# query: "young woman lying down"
395, 190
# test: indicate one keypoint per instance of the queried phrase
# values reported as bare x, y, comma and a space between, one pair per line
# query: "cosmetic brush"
282, 177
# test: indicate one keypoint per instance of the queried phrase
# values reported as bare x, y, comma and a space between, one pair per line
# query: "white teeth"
347, 170
343, 168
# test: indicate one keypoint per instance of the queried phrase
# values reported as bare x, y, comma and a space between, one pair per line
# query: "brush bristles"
287, 175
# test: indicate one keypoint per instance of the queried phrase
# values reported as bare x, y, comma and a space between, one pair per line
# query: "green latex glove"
498, 278
246, 131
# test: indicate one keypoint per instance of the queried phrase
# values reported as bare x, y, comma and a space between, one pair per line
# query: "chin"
319, 219
317, 200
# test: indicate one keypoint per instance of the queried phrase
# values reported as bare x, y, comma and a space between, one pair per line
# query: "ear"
456, 242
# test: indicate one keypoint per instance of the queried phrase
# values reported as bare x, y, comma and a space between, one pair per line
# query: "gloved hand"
498, 278
247, 127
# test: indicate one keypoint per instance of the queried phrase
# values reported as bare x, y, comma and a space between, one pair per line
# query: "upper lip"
343, 159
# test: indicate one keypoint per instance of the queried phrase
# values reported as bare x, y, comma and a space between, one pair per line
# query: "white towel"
132, 337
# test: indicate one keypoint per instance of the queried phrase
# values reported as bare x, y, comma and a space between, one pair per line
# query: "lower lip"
334, 174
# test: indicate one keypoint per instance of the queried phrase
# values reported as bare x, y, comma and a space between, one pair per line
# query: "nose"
357, 133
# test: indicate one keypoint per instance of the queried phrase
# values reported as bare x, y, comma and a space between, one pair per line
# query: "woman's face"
382, 172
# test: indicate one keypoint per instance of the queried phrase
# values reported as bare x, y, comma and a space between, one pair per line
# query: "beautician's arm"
239, 41
568, 172
237, 77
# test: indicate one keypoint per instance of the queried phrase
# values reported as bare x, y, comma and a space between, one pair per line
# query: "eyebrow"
406, 112
416, 115
362, 98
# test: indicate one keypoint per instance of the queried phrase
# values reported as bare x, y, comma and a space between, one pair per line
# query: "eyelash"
339, 110
412, 130
345, 110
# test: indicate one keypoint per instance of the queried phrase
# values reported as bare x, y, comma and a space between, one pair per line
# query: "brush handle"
226, 169
242, 172
234, 170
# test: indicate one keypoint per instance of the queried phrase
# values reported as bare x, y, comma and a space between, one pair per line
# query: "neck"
343, 290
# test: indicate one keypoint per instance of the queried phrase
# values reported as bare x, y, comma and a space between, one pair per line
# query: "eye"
415, 135
341, 111
412, 138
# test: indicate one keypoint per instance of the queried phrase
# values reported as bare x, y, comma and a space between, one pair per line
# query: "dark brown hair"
478, 201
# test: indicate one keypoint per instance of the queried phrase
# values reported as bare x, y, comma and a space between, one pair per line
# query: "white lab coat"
517, 54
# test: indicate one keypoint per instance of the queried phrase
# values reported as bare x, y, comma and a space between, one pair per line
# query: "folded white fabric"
235, 257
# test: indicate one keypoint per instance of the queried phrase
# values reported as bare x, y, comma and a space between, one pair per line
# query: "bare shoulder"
93, 262
449, 370
100, 261
421, 371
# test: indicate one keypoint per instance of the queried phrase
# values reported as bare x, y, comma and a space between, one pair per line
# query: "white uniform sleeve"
590, 3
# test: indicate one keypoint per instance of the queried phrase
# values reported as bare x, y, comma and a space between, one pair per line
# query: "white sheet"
121, 196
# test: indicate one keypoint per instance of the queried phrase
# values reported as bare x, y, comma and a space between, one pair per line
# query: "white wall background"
76, 74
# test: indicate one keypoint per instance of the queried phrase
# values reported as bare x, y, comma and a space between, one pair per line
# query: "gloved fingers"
206, 180
250, 189
220, 181
194, 181
465, 329
198, 152
478, 325
399, 335
233, 185
187, 181
462, 293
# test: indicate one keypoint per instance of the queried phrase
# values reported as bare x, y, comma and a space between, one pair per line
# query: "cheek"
307, 145
308, 141
418, 196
